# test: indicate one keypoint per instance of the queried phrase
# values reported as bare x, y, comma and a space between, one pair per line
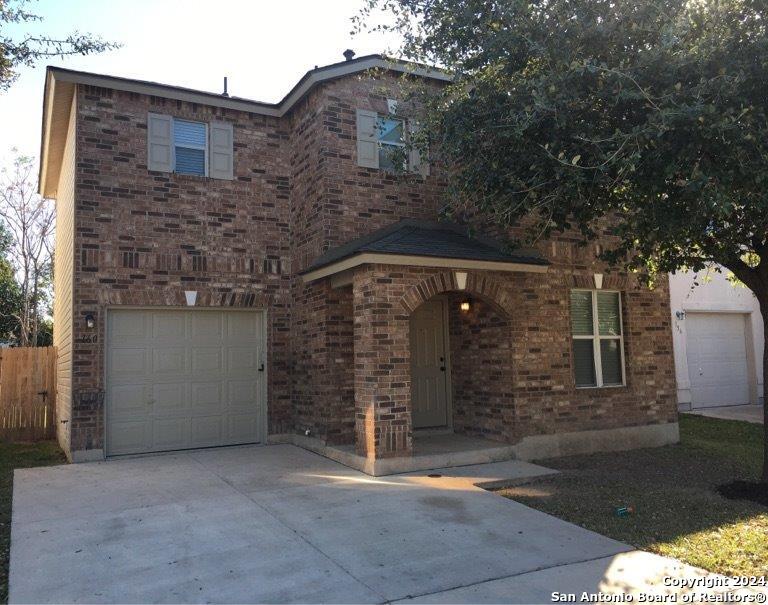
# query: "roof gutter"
43, 163
307, 82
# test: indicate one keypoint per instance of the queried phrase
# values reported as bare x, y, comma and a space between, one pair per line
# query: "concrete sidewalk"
278, 524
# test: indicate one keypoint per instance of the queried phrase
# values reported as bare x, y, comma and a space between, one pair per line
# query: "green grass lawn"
673, 489
12, 456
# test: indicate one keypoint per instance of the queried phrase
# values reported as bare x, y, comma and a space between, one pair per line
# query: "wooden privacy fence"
27, 393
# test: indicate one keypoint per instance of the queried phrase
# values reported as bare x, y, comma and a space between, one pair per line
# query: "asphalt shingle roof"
426, 238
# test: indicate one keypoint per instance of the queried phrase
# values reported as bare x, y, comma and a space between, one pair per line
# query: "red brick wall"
481, 369
142, 237
541, 382
338, 358
334, 200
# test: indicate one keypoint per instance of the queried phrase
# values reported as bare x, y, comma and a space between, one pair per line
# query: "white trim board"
371, 258
703, 308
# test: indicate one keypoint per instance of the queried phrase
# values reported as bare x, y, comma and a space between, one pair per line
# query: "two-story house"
229, 271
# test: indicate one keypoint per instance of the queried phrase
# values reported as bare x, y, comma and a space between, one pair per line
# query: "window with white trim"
598, 339
190, 147
390, 135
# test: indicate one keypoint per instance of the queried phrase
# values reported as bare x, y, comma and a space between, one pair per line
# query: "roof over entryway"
427, 244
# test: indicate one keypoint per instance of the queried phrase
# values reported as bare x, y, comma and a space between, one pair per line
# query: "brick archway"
479, 284
477, 345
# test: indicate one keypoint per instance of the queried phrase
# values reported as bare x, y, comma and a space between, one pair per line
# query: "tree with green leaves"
26, 49
10, 293
652, 114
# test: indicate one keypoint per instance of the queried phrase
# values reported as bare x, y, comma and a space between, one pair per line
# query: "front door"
429, 366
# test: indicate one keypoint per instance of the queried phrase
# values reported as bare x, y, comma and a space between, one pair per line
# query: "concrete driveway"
278, 524
746, 413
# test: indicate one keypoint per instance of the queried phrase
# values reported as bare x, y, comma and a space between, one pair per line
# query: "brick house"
229, 271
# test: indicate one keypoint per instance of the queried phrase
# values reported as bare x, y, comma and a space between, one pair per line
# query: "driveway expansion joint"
288, 527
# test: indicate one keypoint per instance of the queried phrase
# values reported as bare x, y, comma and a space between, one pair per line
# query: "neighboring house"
229, 271
718, 340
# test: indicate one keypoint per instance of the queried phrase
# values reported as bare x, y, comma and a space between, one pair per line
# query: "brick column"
382, 366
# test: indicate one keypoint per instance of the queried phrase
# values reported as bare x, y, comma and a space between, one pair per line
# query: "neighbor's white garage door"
717, 359
183, 379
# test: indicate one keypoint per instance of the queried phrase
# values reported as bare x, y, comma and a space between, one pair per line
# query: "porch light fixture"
90, 321
465, 305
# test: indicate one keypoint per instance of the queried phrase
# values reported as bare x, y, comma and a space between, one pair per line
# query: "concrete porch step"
430, 451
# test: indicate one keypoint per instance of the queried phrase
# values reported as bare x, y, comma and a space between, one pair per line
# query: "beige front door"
429, 366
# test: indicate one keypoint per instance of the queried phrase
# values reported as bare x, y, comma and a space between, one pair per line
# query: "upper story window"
382, 143
391, 138
190, 145
598, 340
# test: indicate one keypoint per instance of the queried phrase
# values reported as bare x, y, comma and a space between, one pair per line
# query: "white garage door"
717, 359
183, 379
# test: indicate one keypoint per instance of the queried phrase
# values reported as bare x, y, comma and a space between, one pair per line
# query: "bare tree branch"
30, 220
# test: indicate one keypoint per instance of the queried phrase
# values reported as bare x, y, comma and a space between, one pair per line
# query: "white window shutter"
221, 152
159, 142
367, 140
415, 162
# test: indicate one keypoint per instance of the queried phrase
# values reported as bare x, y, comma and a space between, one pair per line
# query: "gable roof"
425, 240
60, 85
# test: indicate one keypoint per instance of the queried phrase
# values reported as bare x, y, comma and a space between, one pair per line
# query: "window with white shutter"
598, 340
390, 137
416, 162
190, 146
382, 142
221, 151
159, 142
367, 146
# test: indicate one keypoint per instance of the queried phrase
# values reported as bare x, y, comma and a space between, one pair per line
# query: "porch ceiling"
425, 243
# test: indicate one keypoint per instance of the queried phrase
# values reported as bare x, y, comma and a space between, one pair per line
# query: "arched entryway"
461, 366
384, 299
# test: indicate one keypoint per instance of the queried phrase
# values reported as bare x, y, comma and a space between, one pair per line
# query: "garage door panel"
169, 327
714, 373
129, 437
206, 431
242, 394
129, 401
127, 327
188, 378
241, 426
170, 433
169, 360
207, 326
242, 359
170, 398
717, 359
129, 361
207, 359
205, 397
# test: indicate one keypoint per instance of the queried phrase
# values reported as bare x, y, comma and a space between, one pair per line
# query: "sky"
262, 46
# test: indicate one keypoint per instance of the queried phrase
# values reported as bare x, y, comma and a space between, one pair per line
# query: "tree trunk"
756, 279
